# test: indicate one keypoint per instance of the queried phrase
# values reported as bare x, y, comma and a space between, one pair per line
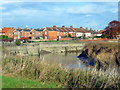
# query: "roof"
66, 29
38, 30
5, 29
26, 30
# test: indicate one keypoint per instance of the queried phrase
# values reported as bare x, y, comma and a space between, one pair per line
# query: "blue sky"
94, 15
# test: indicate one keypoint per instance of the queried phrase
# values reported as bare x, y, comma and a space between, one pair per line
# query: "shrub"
17, 42
103, 36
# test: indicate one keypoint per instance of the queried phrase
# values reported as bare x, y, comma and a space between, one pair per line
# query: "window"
45, 37
57, 33
22, 32
64, 33
45, 32
30, 32
9, 34
61, 33
33, 33
15, 32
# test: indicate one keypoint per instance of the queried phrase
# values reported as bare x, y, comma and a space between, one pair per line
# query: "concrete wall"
36, 48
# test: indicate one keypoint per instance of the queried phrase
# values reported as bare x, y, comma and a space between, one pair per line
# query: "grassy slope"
18, 82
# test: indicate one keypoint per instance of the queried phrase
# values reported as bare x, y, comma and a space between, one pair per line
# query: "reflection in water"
68, 60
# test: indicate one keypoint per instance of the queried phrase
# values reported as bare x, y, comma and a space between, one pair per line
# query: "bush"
103, 36
85, 38
17, 42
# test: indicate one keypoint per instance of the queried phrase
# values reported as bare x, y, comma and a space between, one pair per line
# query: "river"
67, 60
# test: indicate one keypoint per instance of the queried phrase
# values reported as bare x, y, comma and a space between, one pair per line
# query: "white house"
79, 34
88, 34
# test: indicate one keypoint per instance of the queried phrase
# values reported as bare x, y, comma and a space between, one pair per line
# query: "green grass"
20, 82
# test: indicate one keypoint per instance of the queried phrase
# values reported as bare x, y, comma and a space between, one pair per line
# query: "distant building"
50, 33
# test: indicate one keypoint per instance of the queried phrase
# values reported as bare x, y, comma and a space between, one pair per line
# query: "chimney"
25, 27
71, 26
31, 28
94, 30
63, 26
19, 28
54, 26
80, 27
38, 28
90, 28
86, 28
41, 28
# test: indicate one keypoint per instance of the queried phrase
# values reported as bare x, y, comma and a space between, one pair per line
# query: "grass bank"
20, 82
104, 54
41, 71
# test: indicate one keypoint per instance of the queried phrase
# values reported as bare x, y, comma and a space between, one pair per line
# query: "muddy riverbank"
102, 55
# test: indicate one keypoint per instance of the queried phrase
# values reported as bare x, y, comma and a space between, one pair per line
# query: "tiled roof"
66, 29
26, 30
38, 30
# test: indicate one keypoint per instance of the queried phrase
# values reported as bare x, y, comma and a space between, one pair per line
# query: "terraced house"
60, 32
48, 33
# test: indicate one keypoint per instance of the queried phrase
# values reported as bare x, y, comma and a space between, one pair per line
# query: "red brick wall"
8, 31
52, 35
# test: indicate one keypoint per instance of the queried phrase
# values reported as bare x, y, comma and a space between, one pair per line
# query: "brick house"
21, 33
1, 32
50, 33
27, 33
60, 32
8, 31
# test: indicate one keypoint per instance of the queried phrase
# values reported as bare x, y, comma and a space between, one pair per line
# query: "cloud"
45, 14
88, 15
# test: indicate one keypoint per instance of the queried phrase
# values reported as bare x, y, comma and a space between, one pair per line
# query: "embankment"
45, 47
104, 54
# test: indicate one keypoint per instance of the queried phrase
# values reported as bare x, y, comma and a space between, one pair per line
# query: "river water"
67, 60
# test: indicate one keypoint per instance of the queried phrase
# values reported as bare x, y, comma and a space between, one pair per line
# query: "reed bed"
69, 78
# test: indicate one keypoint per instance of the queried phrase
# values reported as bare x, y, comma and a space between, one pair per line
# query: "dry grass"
76, 78
103, 53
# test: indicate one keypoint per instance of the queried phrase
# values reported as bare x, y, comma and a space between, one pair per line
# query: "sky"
95, 15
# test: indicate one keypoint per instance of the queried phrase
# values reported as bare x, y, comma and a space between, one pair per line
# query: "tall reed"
74, 78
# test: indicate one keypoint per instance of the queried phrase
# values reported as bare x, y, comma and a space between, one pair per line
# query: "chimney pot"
54, 26
19, 28
71, 26
80, 27
38, 28
25, 27
63, 26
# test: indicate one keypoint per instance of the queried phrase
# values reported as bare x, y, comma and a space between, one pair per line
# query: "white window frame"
45, 32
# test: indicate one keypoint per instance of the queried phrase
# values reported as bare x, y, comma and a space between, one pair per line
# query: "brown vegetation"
104, 54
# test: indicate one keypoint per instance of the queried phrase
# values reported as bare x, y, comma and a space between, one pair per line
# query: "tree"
103, 36
113, 29
17, 42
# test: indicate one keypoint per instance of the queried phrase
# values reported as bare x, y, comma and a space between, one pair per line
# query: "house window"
45, 37
57, 33
45, 32
15, 33
39, 32
9, 34
30, 32
61, 33
64, 33
22, 32
33, 33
